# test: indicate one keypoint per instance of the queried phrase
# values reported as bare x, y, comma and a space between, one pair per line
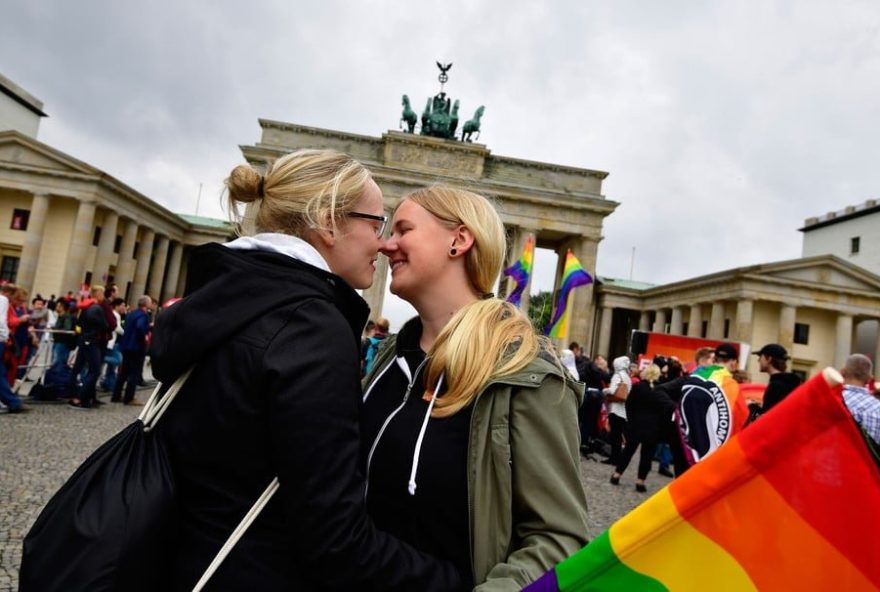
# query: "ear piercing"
453, 251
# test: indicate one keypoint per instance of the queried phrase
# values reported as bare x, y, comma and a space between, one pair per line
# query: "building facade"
19, 110
561, 207
852, 234
812, 306
65, 224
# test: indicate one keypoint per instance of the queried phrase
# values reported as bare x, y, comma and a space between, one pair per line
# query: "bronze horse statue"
409, 116
472, 126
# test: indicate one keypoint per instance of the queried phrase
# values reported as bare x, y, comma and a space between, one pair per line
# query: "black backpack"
112, 523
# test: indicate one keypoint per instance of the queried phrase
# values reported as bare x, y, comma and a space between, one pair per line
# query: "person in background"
9, 401
772, 359
93, 325
380, 333
567, 358
133, 347
615, 395
647, 410
864, 407
113, 357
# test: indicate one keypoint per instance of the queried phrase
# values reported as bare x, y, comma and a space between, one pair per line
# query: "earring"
453, 251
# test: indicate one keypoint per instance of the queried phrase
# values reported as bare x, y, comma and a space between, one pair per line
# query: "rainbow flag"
521, 271
790, 503
573, 275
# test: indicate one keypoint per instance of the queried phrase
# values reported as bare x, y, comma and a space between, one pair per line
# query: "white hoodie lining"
286, 244
415, 462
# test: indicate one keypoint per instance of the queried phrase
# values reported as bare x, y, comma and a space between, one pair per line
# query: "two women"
271, 324
469, 420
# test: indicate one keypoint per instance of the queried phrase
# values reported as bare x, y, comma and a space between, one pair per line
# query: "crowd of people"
89, 341
677, 417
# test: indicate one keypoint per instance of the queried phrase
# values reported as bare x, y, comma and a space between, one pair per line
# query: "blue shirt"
137, 325
865, 408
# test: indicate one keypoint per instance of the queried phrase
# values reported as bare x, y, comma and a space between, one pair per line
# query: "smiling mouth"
396, 264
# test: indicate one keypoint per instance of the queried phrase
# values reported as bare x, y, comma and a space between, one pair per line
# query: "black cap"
726, 351
773, 350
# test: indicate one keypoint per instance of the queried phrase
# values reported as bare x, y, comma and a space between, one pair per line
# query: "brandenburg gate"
562, 207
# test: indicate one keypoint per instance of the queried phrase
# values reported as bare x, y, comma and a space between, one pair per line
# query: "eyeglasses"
380, 230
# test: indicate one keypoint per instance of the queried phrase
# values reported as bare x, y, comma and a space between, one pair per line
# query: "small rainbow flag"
521, 271
573, 275
790, 503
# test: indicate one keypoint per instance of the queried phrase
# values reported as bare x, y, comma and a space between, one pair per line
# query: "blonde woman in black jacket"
272, 324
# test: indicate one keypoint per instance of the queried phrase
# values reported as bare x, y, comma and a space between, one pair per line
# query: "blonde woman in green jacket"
469, 420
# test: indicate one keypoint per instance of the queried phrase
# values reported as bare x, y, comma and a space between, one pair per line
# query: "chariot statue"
440, 116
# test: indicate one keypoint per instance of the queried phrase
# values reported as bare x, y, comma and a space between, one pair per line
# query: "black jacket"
275, 391
92, 324
780, 385
647, 412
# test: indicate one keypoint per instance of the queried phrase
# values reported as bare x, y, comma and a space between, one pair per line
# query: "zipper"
412, 380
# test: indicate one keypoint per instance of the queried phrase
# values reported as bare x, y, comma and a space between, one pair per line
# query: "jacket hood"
227, 289
620, 364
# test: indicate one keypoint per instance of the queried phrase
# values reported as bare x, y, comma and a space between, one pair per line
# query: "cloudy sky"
723, 124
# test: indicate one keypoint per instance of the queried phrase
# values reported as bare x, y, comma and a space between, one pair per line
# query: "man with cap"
772, 360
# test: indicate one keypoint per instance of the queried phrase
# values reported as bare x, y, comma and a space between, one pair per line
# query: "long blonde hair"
306, 189
486, 339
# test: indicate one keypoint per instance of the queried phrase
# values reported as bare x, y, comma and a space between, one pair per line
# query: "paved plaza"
40, 449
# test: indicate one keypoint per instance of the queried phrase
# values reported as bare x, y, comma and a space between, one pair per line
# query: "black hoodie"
275, 392
779, 387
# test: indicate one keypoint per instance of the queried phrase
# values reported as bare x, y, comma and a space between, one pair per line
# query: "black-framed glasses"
380, 230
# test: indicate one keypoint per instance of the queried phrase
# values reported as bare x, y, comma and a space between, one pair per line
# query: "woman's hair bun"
245, 184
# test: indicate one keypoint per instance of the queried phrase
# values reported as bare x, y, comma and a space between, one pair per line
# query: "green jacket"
527, 506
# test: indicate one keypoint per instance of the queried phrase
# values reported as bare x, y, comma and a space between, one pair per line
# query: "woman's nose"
389, 245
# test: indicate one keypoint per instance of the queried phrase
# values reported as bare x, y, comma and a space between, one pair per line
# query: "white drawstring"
415, 461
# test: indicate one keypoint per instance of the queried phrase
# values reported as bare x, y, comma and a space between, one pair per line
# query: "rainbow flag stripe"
521, 271
790, 503
573, 275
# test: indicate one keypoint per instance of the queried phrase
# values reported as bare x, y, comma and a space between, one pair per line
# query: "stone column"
80, 241
33, 241
660, 321
743, 329
676, 325
145, 249
695, 321
375, 294
581, 319
157, 269
181, 282
125, 265
843, 339
605, 319
787, 316
716, 321
101, 272
645, 321
173, 273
